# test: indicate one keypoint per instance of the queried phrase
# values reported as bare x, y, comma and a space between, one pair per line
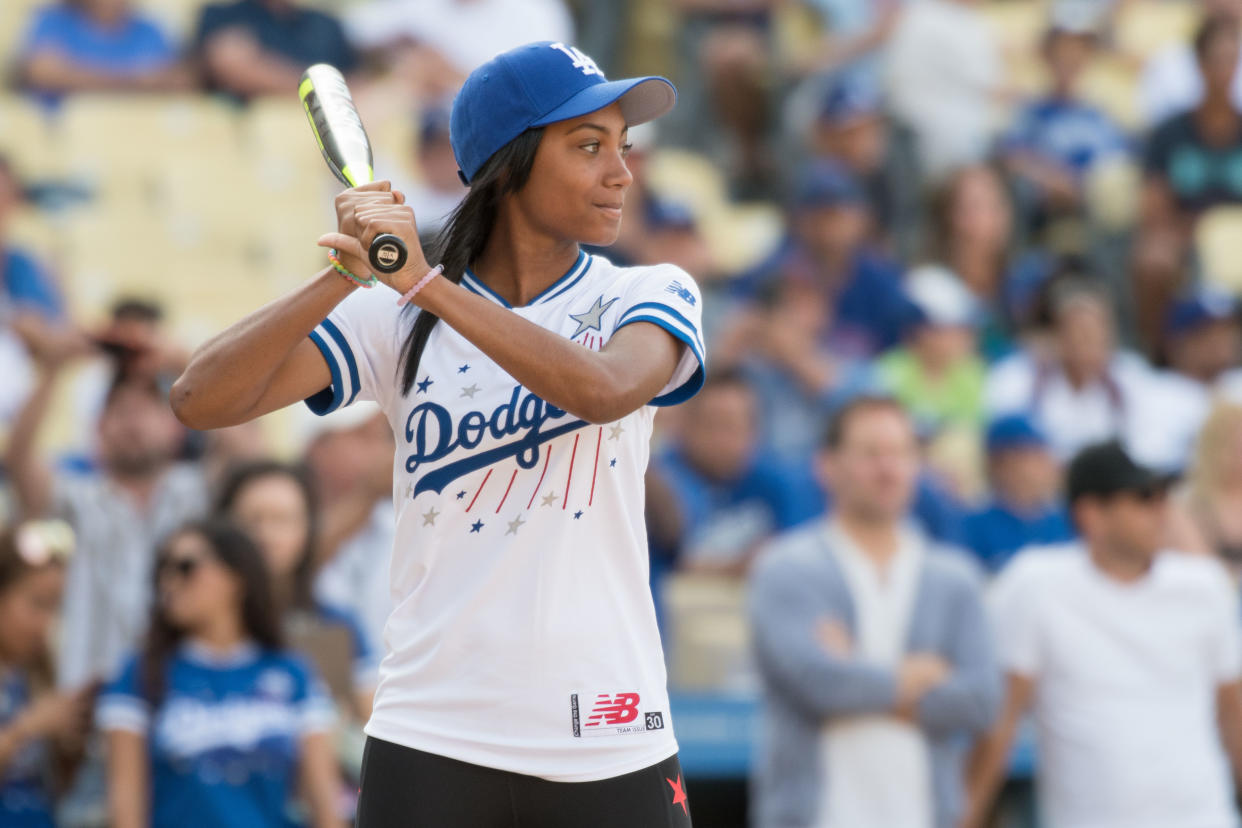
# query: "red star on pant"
679, 794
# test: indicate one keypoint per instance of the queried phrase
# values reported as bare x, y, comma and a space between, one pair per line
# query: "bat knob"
387, 253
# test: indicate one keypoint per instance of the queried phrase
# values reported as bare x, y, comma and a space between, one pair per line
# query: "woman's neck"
519, 261
221, 634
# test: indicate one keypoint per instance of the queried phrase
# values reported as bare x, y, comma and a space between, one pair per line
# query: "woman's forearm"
256, 366
597, 386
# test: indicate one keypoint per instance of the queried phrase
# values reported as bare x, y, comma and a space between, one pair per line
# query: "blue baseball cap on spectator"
847, 99
666, 214
1201, 307
1014, 431
827, 184
535, 85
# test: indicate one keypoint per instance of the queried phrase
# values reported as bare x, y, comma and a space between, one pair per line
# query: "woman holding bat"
524, 682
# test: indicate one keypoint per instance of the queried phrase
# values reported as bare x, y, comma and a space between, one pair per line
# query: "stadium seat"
1018, 25
26, 138
1112, 193
118, 143
708, 632
1110, 84
1216, 245
14, 23
1147, 26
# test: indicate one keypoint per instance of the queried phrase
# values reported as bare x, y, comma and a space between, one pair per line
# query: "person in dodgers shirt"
523, 681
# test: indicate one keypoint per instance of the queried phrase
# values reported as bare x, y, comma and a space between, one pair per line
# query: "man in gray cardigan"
873, 646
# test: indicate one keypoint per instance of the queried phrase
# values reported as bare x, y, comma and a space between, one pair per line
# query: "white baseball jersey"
523, 635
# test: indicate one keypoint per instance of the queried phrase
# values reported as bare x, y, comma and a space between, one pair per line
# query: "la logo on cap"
581, 60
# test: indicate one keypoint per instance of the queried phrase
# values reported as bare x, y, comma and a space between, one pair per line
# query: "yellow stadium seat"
14, 23
27, 139
697, 182
1147, 26
119, 142
709, 646
1216, 243
1018, 24
1111, 83
1112, 193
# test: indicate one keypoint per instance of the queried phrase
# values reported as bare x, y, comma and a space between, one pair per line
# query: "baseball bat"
346, 148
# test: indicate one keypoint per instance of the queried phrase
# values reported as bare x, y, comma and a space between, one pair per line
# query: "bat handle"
388, 253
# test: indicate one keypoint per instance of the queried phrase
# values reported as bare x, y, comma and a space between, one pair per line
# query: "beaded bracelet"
422, 283
344, 271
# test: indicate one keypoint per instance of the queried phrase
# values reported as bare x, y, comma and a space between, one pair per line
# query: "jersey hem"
464, 751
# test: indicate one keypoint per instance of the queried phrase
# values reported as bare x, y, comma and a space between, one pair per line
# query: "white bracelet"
419, 285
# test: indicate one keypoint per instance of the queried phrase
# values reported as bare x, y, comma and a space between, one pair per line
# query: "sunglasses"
183, 567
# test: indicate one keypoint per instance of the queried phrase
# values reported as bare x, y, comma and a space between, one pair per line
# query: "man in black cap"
1129, 658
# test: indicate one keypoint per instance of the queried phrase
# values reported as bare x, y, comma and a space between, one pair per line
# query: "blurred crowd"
968, 460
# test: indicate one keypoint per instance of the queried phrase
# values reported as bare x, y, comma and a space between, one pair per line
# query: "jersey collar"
572, 276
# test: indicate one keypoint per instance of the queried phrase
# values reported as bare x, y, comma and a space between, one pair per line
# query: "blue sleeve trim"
335, 332
691, 386
657, 306
329, 399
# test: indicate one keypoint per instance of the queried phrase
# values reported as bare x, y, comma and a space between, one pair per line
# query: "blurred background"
1019, 218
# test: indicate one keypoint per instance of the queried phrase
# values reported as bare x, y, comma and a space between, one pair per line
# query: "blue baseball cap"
535, 85
1014, 431
666, 214
826, 183
1201, 307
847, 99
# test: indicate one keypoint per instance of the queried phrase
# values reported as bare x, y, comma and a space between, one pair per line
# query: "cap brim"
641, 99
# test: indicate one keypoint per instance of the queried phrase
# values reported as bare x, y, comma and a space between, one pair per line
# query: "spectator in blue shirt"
97, 46
828, 249
1057, 139
720, 495
1025, 508
276, 505
36, 724
214, 723
261, 47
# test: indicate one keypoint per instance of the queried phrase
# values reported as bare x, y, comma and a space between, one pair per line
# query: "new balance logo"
612, 714
581, 60
681, 292
613, 710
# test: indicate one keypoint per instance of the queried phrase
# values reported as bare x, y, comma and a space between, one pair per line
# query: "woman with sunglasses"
524, 681
214, 723
37, 724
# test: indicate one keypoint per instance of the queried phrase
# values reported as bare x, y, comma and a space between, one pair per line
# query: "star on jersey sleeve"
667, 296
361, 342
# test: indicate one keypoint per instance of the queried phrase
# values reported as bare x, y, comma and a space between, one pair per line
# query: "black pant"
407, 788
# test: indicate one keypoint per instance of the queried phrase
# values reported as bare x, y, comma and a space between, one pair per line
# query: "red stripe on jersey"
547, 456
599, 438
480, 490
510, 486
570, 476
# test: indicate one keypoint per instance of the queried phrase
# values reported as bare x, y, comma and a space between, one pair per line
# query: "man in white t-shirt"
1129, 658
